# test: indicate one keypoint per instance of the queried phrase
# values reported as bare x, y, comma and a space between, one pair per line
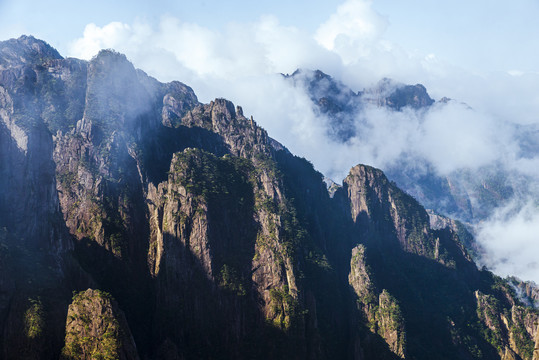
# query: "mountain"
467, 193
341, 104
139, 223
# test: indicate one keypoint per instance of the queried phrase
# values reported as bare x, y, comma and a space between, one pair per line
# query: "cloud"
189, 52
453, 136
353, 32
243, 61
511, 241
96, 38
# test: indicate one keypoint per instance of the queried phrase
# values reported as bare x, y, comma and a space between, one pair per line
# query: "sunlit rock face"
96, 328
138, 223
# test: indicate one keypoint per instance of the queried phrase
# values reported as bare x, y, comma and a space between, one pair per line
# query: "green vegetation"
206, 176
264, 163
68, 180
89, 335
524, 343
34, 319
389, 310
230, 281
285, 308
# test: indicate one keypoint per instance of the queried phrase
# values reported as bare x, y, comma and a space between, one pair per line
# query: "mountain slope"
213, 241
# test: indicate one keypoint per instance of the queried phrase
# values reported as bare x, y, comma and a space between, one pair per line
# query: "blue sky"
61, 21
478, 35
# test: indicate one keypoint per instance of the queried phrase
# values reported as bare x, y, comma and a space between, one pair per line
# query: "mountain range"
469, 194
139, 223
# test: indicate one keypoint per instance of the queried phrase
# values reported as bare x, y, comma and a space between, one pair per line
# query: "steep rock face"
536, 347
221, 220
440, 222
372, 198
214, 239
527, 291
397, 237
511, 329
96, 329
28, 179
384, 213
187, 251
244, 139
36, 240
382, 312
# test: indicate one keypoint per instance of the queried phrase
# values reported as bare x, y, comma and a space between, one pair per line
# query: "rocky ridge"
212, 239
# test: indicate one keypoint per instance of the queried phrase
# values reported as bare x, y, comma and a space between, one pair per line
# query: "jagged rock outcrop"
381, 310
223, 218
396, 96
332, 99
372, 198
213, 238
439, 222
511, 328
414, 96
96, 329
341, 105
25, 50
536, 347
527, 291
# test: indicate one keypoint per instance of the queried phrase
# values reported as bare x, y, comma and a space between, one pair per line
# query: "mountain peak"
26, 50
110, 55
396, 95
415, 96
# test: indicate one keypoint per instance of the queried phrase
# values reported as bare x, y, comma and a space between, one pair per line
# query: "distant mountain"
471, 195
341, 104
138, 223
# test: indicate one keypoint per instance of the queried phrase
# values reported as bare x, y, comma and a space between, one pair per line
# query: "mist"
479, 129
511, 238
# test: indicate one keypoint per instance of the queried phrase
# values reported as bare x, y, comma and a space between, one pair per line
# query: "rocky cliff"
202, 237
97, 329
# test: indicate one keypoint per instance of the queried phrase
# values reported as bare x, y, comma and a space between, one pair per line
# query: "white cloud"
511, 241
352, 31
240, 62
96, 38
454, 136
206, 59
